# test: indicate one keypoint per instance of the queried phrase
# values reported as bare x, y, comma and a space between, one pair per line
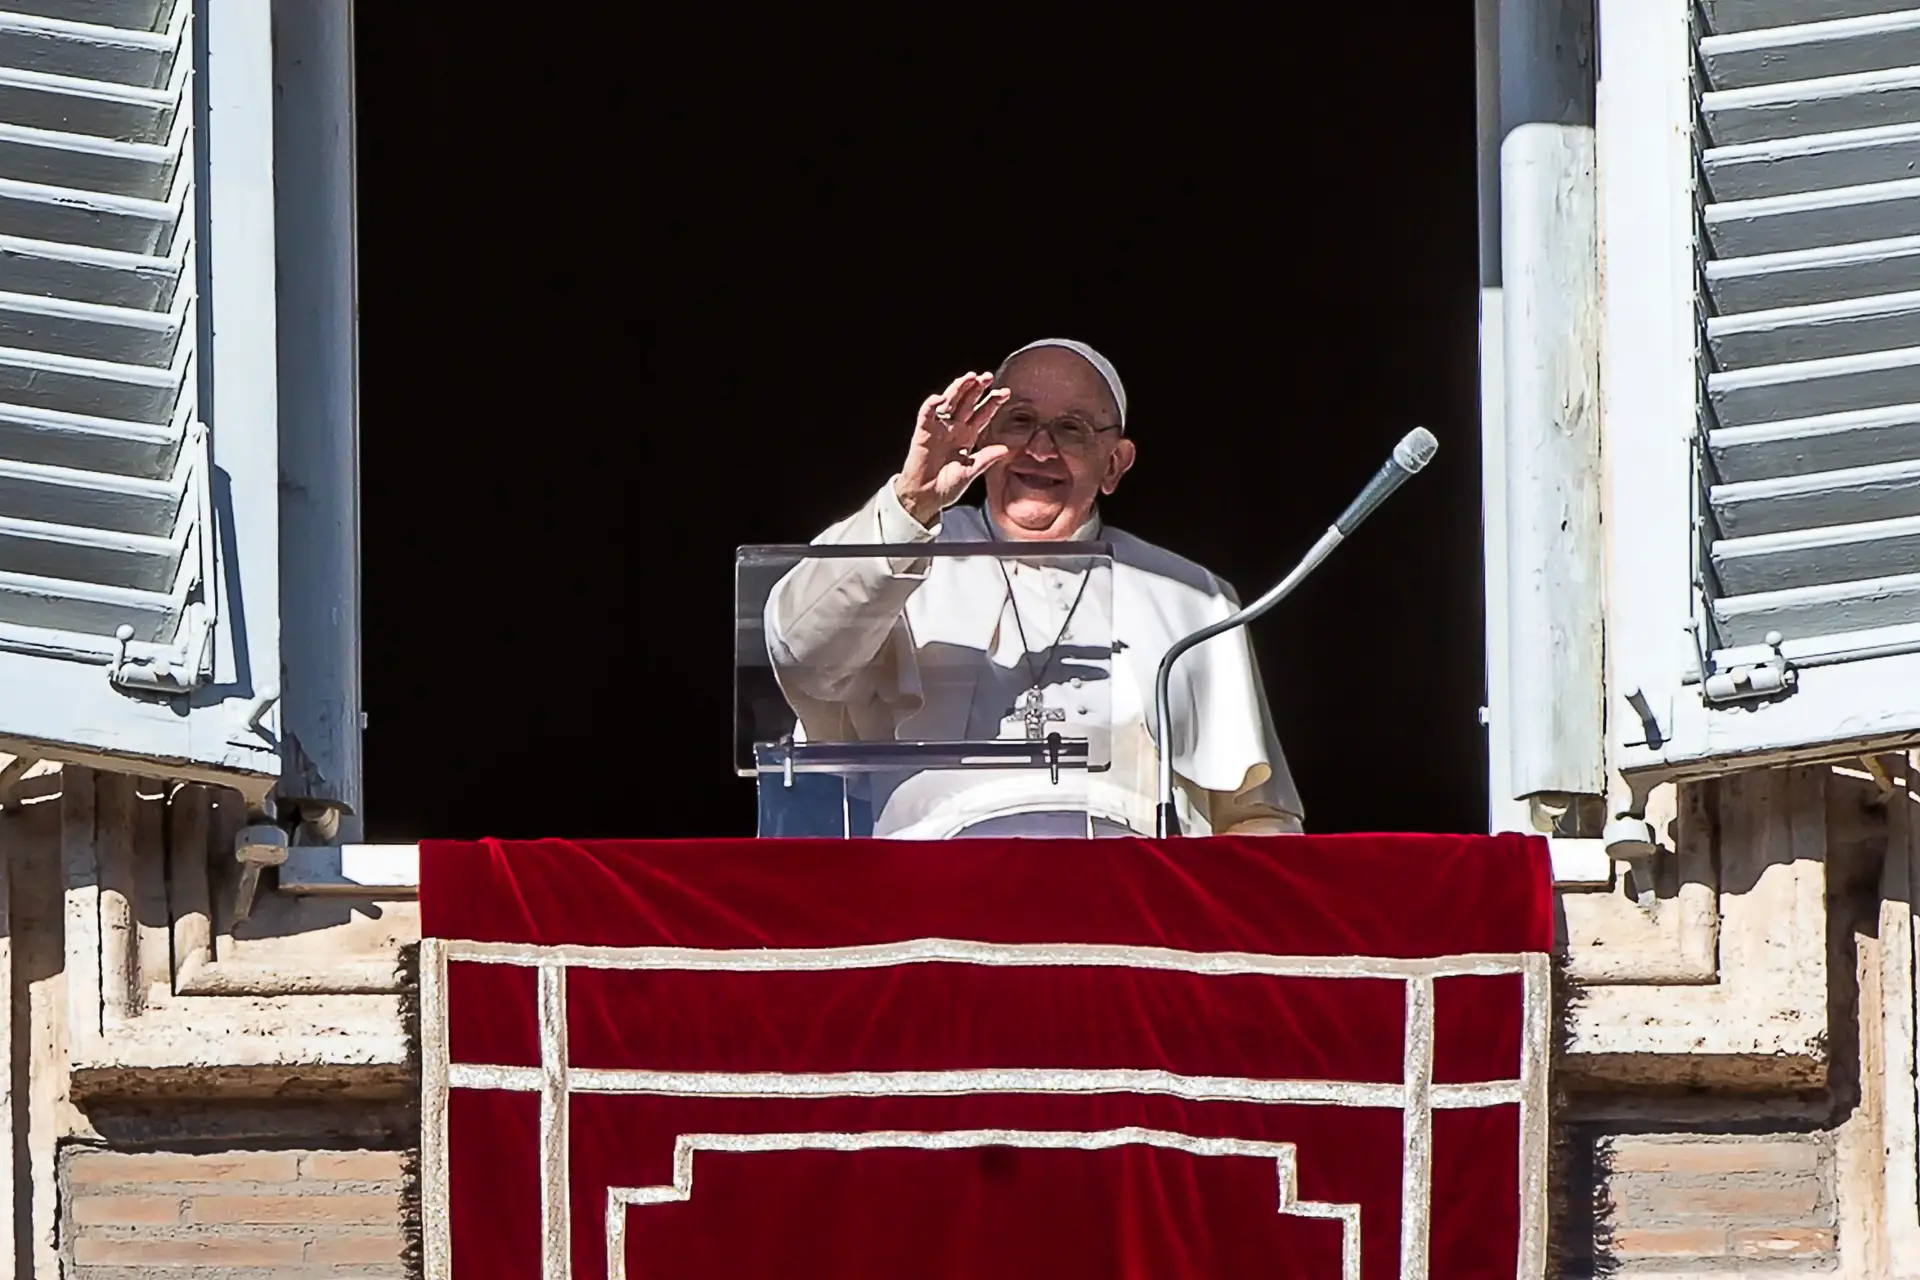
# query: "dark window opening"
632, 301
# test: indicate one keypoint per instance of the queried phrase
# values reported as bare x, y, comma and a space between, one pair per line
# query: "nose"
1041, 446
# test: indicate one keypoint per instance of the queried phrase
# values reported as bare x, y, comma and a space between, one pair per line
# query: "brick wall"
229, 1215
1679, 1199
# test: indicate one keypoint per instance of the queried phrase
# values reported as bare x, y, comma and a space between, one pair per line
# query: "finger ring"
943, 413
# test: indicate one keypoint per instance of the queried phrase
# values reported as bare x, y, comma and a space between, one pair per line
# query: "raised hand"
942, 461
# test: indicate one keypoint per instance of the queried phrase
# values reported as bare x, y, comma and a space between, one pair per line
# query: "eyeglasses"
1017, 427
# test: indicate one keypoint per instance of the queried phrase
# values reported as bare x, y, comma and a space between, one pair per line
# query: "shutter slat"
91, 499
142, 169
1833, 104
1727, 16
1810, 332
134, 15
1832, 442
87, 51
1828, 274
1809, 557
97, 219
1814, 219
102, 501
1812, 50
47, 380
84, 442
1823, 498
58, 604
1828, 609
1818, 162
35, 100
1773, 393
121, 335
50, 269
85, 555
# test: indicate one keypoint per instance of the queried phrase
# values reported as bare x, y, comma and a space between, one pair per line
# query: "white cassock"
928, 649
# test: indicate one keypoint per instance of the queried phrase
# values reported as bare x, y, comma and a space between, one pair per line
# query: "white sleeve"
828, 621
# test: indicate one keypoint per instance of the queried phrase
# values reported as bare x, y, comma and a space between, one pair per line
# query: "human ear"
1119, 462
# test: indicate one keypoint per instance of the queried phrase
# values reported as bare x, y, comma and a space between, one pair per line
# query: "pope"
919, 648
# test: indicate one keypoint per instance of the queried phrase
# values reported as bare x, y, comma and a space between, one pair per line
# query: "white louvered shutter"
1759, 177
1809, 115
134, 502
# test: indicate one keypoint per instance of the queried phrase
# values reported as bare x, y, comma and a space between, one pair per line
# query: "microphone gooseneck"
1415, 451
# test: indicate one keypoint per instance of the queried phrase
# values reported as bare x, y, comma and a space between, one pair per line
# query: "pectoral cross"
1036, 714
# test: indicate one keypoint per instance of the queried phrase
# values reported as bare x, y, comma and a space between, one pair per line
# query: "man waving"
859, 644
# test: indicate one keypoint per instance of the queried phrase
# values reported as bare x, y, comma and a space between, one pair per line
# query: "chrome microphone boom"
1415, 450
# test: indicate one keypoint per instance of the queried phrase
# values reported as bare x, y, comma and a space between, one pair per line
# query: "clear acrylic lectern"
924, 691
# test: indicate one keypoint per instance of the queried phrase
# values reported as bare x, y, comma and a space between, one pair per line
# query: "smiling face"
1063, 426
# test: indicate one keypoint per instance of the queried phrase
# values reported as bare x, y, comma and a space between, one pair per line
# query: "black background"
638, 288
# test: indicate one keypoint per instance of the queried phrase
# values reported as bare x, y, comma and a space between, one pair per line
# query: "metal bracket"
319, 823
1885, 784
1631, 839
254, 712
1650, 729
179, 669
1754, 674
10, 776
255, 848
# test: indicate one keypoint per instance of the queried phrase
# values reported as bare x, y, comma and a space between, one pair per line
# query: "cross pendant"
1035, 714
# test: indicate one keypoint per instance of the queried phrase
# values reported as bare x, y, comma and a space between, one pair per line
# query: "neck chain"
1026, 648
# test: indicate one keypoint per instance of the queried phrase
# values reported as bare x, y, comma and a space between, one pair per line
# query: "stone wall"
230, 1215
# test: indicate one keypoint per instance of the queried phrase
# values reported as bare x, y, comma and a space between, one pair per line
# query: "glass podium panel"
926, 691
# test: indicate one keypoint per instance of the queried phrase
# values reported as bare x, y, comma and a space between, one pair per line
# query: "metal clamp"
255, 848
1770, 675
257, 707
179, 669
1631, 839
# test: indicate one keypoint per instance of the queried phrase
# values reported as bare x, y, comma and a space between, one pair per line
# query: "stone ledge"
393, 870
352, 870
277, 1082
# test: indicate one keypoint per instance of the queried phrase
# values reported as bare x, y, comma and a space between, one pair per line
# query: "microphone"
1415, 451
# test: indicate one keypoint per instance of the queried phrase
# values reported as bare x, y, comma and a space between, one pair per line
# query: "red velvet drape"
1019, 1207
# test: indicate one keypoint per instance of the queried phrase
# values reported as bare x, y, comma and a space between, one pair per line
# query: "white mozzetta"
137, 472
